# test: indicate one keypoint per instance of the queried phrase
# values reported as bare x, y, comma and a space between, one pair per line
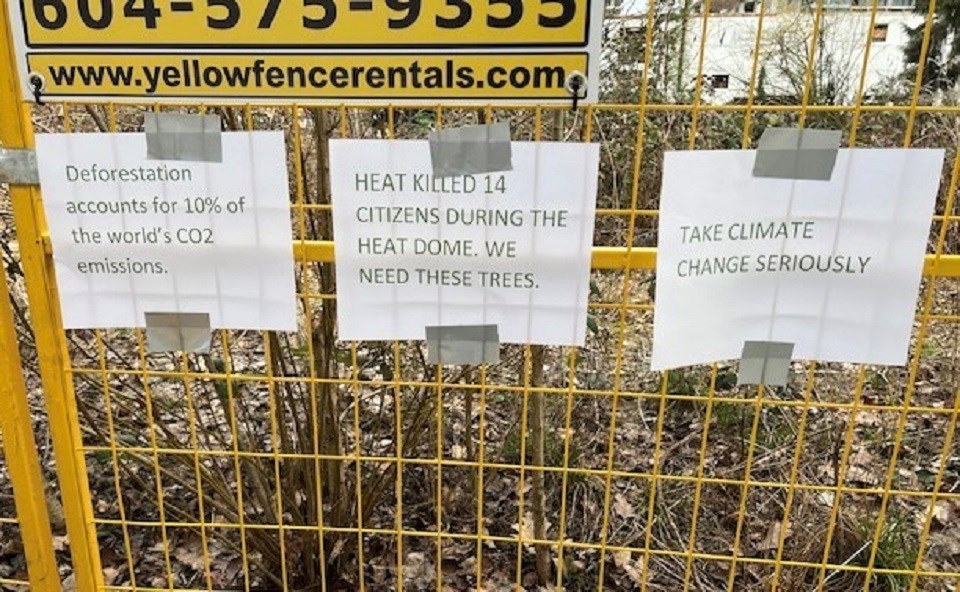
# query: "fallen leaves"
863, 467
190, 555
634, 569
771, 540
622, 507
418, 571
946, 512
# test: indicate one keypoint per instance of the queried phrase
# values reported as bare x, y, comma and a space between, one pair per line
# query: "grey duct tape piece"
800, 154
470, 345
19, 167
181, 136
765, 362
471, 150
176, 332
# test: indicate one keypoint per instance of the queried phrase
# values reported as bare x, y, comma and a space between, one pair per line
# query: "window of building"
880, 32
720, 81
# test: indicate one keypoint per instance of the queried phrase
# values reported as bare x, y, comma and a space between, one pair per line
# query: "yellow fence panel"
24, 522
300, 462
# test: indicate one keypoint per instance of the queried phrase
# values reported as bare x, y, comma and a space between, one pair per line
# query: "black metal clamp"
36, 85
576, 85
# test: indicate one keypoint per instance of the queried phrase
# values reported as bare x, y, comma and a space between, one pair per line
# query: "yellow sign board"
473, 51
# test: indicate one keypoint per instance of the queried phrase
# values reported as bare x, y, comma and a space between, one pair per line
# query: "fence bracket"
19, 167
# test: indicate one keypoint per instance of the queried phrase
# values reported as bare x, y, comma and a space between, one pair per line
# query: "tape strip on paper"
19, 167
178, 332
470, 345
183, 136
765, 362
799, 154
471, 150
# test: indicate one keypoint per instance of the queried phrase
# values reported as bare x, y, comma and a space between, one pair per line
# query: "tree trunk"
538, 439
324, 342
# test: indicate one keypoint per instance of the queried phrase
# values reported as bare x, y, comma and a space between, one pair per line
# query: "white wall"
731, 40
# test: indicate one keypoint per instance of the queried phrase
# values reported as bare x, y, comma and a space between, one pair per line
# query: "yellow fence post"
20, 451
16, 132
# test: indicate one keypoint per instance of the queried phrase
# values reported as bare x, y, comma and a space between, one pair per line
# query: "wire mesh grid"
355, 465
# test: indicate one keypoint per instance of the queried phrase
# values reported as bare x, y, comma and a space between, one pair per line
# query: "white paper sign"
832, 266
132, 235
509, 249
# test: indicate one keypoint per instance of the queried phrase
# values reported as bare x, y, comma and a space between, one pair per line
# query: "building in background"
731, 41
